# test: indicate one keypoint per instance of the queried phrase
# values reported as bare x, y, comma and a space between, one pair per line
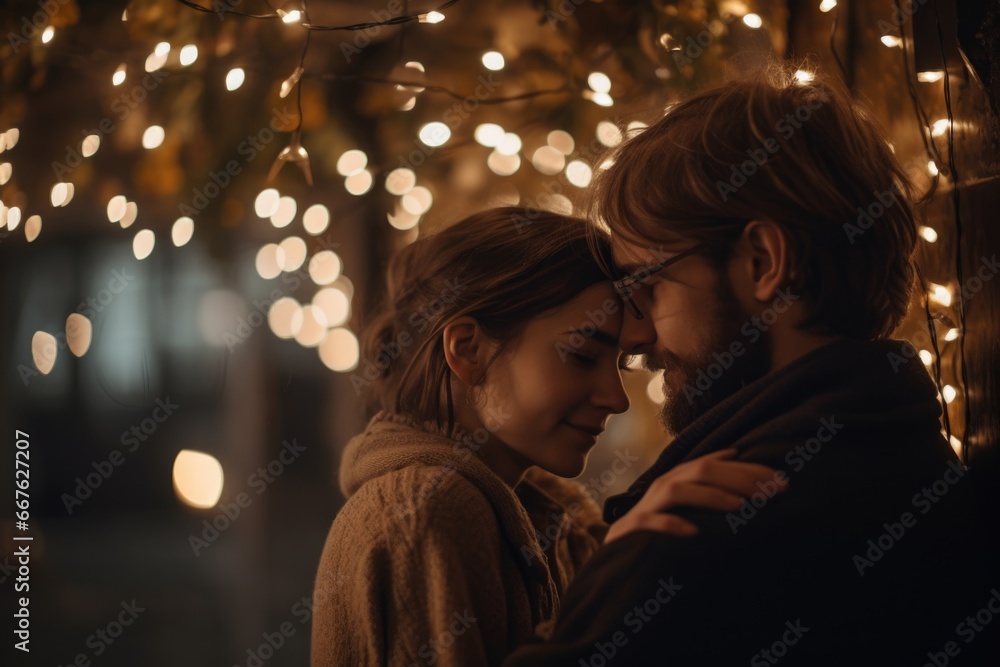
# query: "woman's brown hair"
502, 266
785, 146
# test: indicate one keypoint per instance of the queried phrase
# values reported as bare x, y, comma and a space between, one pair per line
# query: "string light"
32, 228
431, 17
289, 83
493, 60
235, 78
892, 41
119, 76
928, 234
932, 76
753, 21
295, 154
152, 137
189, 54
489, 135
48, 34
827, 5
182, 231
142, 244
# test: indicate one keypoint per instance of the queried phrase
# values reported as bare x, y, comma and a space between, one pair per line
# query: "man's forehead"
628, 253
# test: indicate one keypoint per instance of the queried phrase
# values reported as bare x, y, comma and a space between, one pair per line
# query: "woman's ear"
466, 349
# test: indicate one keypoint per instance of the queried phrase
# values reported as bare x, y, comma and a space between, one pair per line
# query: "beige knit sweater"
434, 560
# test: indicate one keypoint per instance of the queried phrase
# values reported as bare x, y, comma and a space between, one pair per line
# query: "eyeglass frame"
621, 285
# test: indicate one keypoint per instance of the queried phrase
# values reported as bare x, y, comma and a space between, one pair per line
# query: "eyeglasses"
623, 285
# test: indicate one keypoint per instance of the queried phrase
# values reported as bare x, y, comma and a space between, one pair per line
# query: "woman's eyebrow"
602, 337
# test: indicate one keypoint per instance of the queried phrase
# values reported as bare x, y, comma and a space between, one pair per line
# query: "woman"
494, 365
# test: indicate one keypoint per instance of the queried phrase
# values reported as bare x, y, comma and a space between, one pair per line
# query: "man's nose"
637, 336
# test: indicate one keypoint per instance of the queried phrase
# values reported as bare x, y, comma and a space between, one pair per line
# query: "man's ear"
466, 349
767, 257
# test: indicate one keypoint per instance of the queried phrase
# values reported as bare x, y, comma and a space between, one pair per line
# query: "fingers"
694, 495
668, 524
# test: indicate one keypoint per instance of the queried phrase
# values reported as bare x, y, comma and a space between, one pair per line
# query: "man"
763, 246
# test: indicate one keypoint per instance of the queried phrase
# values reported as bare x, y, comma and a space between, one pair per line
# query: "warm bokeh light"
32, 227
266, 203
352, 162
90, 145
655, 389
489, 135
608, 133
189, 54
325, 267
268, 261
285, 317
316, 219
400, 181
503, 165
293, 253
753, 21
579, 173
79, 333
142, 244
340, 351
198, 478
182, 231
235, 78
418, 200
561, 140
116, 208
43, 351
153, 136
313, 329
493, 60
928, 234
435, 134
284, 212
548, 160
131, 213
118, 78
359, 183
334, 303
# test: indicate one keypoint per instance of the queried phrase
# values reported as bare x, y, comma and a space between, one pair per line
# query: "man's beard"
687, 397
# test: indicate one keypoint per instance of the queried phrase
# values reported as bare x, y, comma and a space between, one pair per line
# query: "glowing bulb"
235, 78
827, 5
892, 41
340, 351
802, 76
197, 478
435, 134
599, 82
359, 183
290, 17
352, 162
608, 133
932, 168
325, 267
940, 127
285, 317
268, 261
142, 244
13, 218
266, 203
431, 17
949, 393
284, 213
33, 227
489, 135
182, 231
63, 193
601, 99
316, 219
928, 233
561, 140
116, 208
956, 444
951, 335
189, 54
335, 305
925, 356
153, 136
294, 250
503, 165
119, 76
941, 294
5, 171
90, 145
155, 61
930, 76
753, 21
509, 145
400, 181
493, 60
79, 333
48, 34
579, 173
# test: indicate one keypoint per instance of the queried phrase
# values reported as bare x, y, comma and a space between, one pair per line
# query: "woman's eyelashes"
582, 359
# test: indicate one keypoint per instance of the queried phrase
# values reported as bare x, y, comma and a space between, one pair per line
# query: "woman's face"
549, 394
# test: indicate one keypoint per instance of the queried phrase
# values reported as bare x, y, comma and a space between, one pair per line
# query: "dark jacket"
874, 556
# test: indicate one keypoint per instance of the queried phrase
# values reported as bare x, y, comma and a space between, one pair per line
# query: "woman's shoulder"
417, 499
